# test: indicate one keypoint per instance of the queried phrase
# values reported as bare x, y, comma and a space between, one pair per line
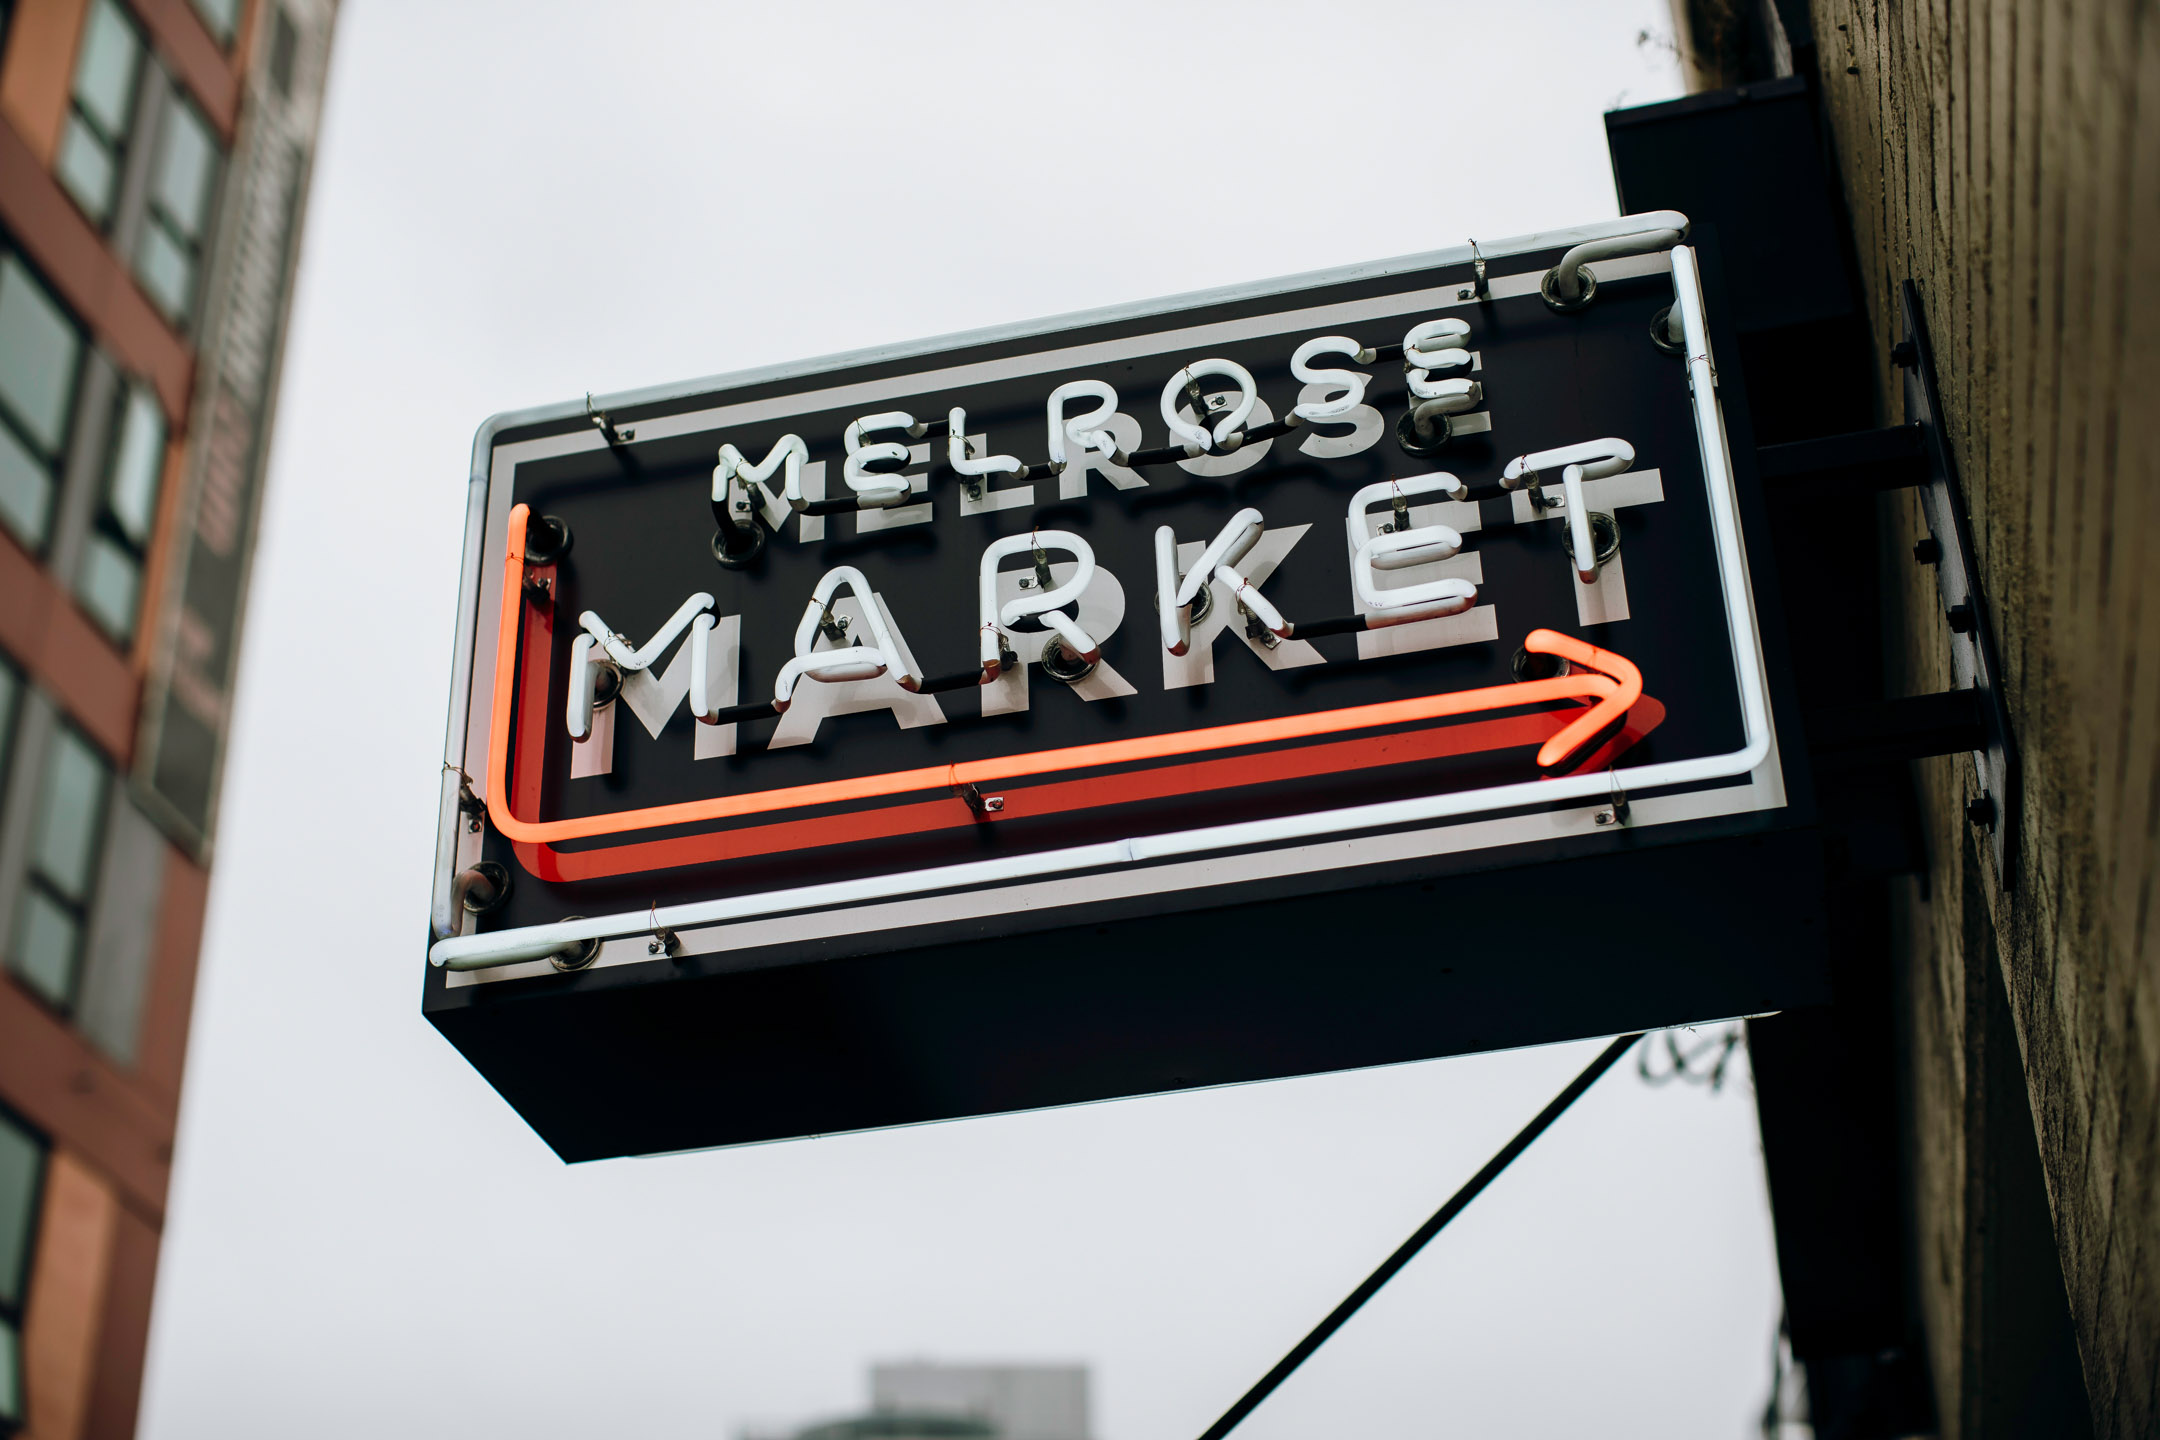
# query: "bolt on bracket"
1997, 776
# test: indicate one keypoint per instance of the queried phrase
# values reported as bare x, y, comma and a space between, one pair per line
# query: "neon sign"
822, 642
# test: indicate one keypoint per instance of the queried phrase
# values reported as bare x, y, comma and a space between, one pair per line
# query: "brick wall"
2006, 156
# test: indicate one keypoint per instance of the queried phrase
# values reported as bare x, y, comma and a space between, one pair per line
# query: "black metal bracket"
1972, 718
1974, 663
1844, 737
1845, 466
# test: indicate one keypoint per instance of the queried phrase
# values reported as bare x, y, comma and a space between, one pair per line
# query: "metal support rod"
1845, 466
1950, 722
1419, 1238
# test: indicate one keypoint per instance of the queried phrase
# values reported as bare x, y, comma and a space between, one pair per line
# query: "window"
22, 1177
51, 915
109, 581
284, 51
94, 142
169, 252
10, 702
40, 359
220, 17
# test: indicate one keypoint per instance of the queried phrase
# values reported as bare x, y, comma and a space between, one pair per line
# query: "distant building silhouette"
919, 1400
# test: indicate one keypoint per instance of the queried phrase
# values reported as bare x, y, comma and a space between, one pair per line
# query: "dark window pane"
48, 942
187, 156
105, 69
63, 846
22, 1164
26, 488
88, 168
166, 270
10, 693
39, 347
220, 16
138, 461
11, 1396
108, 586
284, 49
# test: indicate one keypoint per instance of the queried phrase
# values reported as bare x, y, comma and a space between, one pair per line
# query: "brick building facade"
2004, 158
154, 157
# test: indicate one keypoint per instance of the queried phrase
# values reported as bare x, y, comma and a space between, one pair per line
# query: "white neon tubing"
1248, 595
479, 952
1231, 544
1027, 606
1408, 547
1175, 614
833, 667
1411, 614
619, 650
1589, 460
788, 450
1599, 458
881, 489
1435, 345
1045, 605
578, 715
700, 684
1440, 482
956, 451
1174, 596
1661, 229
1197, 439
1086, 430
1447, 397
1076, 639
848, 662
1351, 382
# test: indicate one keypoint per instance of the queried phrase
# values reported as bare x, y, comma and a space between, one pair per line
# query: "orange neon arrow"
1608, 710
1613, 683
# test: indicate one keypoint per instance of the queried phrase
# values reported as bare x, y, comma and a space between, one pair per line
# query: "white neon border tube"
479, 952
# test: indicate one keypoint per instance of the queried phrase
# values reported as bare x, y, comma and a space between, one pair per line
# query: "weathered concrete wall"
2006, 155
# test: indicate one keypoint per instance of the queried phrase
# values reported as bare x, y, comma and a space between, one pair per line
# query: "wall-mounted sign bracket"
1971, 718
1998, 781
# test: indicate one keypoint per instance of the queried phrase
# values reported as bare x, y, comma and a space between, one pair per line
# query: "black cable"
1408, 1250
1334, 625
958, 680
736, 714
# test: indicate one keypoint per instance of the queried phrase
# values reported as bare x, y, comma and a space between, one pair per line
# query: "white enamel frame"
1138, 857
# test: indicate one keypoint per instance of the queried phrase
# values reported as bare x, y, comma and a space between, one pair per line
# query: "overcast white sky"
517, 202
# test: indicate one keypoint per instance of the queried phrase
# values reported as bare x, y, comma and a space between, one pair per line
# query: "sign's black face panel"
1380, 674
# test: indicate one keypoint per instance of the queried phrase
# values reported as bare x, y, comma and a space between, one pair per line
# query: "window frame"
106, 526
231, 33
119, 148
12, 1312
35, 881
56, 462
176, 106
